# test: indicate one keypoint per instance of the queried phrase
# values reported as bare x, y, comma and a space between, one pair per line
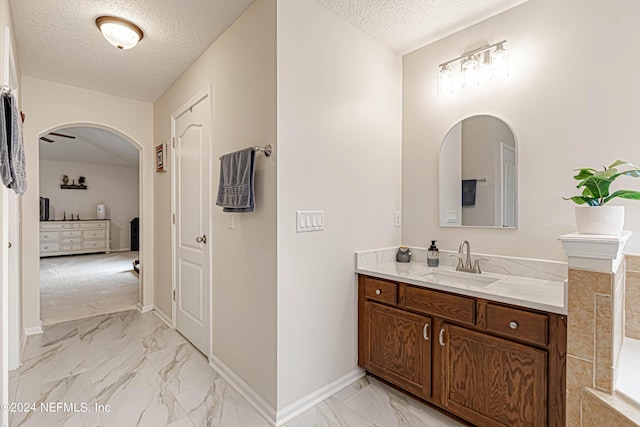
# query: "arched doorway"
92, 177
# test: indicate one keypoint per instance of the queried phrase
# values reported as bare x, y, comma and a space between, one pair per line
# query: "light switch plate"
309, 221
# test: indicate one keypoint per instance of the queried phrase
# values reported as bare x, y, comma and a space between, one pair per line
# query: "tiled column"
595, 323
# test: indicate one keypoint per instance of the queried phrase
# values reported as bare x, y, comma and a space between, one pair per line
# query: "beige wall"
115, 186
339, 148
241, 68
49, 106
571, 100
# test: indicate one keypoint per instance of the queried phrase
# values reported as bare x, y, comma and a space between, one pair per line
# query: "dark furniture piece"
135, 234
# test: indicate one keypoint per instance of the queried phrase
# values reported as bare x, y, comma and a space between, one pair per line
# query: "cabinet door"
492, 381
399, 348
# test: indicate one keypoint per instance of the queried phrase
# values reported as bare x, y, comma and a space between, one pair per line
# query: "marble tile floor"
148, 375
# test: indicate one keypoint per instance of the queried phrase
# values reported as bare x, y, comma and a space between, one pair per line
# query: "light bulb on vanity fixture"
473, 68
119, 32
470, 70
499, 63
445, 81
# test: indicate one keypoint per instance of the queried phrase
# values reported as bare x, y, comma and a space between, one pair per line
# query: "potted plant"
595, 217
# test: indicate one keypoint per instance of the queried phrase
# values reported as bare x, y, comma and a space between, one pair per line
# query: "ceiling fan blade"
46, 139
62, 135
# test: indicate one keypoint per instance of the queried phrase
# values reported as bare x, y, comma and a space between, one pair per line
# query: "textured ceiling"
59, 41
406, 25
92, 145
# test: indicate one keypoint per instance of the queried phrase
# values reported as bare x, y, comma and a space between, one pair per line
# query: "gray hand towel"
235, 190
12, 157
469, 192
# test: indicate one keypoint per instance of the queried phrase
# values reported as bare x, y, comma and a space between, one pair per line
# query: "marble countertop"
526, 292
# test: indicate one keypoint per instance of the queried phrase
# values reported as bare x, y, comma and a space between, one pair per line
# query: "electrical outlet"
397, 219
230, 224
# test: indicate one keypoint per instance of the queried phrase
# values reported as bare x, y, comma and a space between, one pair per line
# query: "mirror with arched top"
478, 174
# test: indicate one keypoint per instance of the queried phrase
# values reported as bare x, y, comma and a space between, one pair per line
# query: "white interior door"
191, 136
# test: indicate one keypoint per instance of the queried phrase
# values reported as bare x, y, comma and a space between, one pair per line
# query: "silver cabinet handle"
10, 245
441, 337
425, 332
378, 291
513, 325
201, 239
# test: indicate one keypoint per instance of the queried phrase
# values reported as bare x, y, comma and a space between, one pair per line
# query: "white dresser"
74, 237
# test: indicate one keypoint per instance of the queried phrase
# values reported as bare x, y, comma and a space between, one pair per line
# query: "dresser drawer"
520, 324
94, 234
50, 247
54, 226
49, 236
71, 241
93, 244
89, 224
71, 233
440, 304
72, 247
379, 290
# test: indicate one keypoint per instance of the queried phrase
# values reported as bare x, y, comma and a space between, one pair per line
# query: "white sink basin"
456, 279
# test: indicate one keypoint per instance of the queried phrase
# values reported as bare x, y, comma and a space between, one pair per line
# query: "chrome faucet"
467, 266
467, 263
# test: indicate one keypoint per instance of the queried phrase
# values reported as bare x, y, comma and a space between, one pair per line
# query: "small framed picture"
161, 159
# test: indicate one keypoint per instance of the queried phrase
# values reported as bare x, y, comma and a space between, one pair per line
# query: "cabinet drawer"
89, 224
73, 247
54, 226
50, 247
379, 290
93, 244
71, 233
71, 241
49, 236
94, 234
517, 323
440, 304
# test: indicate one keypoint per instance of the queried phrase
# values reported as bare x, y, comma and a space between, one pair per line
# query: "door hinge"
174, 294
174, 218
173, 141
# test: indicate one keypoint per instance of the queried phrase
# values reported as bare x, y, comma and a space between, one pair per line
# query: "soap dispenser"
433, 255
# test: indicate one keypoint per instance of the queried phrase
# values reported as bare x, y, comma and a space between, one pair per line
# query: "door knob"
201, 239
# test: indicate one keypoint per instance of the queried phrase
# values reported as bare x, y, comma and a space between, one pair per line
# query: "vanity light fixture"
474, 67
119, 32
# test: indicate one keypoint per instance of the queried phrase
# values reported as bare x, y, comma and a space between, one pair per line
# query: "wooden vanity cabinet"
489, 363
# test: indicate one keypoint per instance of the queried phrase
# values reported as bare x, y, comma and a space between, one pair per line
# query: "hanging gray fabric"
12, 156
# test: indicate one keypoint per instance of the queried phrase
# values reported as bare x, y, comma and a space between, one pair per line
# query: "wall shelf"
73, 187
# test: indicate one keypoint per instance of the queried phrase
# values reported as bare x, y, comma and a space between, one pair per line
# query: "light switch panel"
309, 221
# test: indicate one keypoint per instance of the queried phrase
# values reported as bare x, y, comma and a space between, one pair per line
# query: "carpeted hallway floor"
75, 287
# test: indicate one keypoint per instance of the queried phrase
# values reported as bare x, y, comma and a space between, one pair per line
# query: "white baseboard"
121, 250
34, 330
166, 319
299, 406
144, 308
244, 389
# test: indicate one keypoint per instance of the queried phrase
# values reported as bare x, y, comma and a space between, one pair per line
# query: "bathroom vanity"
469, 347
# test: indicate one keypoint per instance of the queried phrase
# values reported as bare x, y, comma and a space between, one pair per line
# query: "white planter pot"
600, 219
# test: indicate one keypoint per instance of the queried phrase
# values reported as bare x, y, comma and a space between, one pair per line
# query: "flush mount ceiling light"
119, 32
472, 68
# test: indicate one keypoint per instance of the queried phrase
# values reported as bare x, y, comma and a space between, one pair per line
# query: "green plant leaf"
623, 194
580, 200
635, 173
584, 173
622, 162
599, 187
